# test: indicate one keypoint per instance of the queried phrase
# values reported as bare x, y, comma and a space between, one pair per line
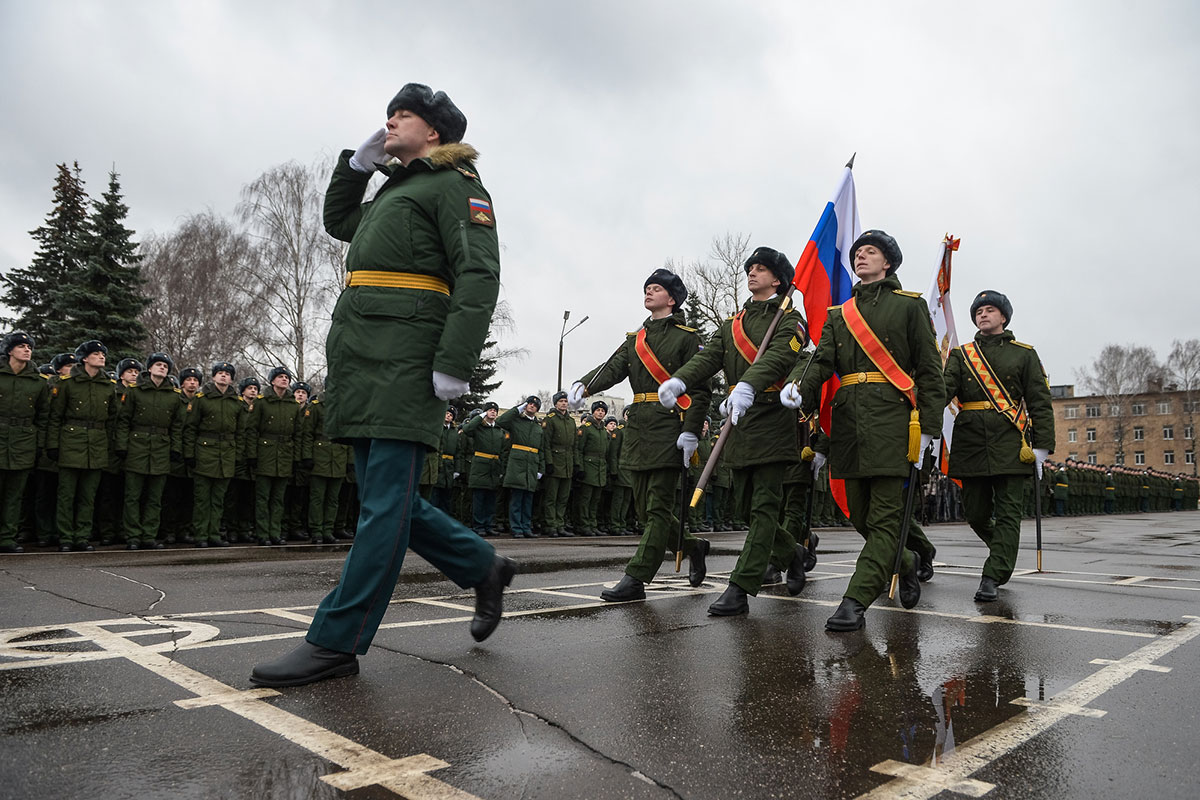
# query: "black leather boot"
307, 663
628, 588
697, 568
731, 603
848, 617
925, 571
910, 585
810, 558
987, 591
795, 572
771, 575
489, 598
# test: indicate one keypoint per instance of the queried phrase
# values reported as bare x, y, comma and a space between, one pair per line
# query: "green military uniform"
525, 465
275, 441
242, 517
648, 449
622, 485
870, 429
149, 438
442, 494
699, 518
720, 482
758, 451
799, 482
24, 408
211, 433
487, 451
987, 446
328, 471
83, 413
559, 446
591, 459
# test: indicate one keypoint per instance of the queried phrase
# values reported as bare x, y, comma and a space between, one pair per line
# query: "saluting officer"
210, 449
274, 443
526, 463
24, 405
881, 344
559, 447
759, 450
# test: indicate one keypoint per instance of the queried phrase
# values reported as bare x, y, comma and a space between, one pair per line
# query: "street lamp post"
561, 336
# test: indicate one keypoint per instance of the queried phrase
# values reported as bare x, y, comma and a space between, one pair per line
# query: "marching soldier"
1001, 388
559, 447
881, 344
149, 441
274, 443
210, 448
591, 459
525, 463
328, 471
24, 405
658, 443
83, 412
754, 450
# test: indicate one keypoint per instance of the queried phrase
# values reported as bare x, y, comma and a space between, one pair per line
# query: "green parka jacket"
275, 435
24, 409
762, 434
486, 451
150, 426
618, 475
432, 218
329, 457
869, 435
211, 431
449, 461
985, 442
242, 471
83, 415
651, 430
524, 465
591, 452
559, 444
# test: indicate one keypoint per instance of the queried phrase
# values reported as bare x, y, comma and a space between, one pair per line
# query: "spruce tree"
481, 389
62, 241
105, 299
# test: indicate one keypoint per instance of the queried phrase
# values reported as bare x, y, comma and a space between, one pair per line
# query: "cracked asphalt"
126, 675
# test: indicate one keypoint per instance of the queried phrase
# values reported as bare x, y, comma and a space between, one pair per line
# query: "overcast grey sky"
1057, 139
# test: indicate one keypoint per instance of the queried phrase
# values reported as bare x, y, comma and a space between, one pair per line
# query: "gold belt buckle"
862, 377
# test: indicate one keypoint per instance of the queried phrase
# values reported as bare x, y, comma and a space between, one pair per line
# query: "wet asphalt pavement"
126, 675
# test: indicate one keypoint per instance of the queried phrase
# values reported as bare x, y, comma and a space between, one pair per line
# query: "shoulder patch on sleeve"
1022, 344
479, 211
686, 328
794, 344
907, 293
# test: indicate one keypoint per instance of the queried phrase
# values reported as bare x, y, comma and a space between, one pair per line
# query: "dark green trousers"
268, 501
758, 497
208, 507
655, 501
795, 502
76, 503
619, 514
876, 508
323, 506
143, 506
12, 493
918, 542
555, 499
993, 508
589, 506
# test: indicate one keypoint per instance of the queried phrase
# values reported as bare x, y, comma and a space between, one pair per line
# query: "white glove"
687, 442
456, 475
539, 477
1039, 457
817, 462
790, 395
738, 402
575, 396
447, 387
926, 440
670, 390
370, 152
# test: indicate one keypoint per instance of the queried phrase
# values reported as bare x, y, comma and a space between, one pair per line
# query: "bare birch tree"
1119, 372
1183, 365
716, 286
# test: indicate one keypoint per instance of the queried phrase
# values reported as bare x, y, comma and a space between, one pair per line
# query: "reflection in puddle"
945, 698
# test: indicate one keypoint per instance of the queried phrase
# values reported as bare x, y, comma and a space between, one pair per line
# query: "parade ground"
126, 675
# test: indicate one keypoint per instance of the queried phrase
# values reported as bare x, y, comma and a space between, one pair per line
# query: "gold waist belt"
523, 447
396, 280
485, 455
977, 405
645, 397
863, 377
444, 455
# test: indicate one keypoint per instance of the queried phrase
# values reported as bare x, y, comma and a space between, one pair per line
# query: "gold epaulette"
314, 401
631, 333
917, 295
113, 382
466, 172
180, 391
44, 377
686, 328
838, 307
1022, 344
198, 394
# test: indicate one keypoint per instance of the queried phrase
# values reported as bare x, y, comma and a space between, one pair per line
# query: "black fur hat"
558, 396
15, 338
224, 366
128, 363
990, 297
533, 398
435, 108
163, 357
775, 261
599, 404
301, 386
249, 380
63, 359
90, 346
190, 372
490, 405
46, 369
671, 282
886, 244
276, 372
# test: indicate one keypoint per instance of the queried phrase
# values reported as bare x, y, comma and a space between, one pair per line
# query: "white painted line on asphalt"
932, 776
429, 601
1058, 625
556, 593
1147, 667
225, 698
1001, 740
1066, 708
292, 615
1135, 579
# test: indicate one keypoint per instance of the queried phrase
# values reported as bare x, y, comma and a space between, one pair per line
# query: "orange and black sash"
748, 349
880, 356
1002, 401
655, 367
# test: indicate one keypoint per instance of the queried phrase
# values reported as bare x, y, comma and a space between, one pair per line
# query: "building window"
1164, 406
1091, 458
1072, 436
1073, 456
1139, 434
1189, 457
1168, 432
1191, 406
1138, 409
1070, 412
1189, 432
1120, 459
1091, 434
1139, 458
1168, 457
1114, 410
1093, 410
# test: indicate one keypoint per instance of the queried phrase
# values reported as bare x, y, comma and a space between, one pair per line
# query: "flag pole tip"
850, 163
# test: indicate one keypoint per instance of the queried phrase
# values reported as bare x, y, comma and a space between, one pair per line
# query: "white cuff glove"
539, 477
790, 395
738, 402
575, 396
687, 442
670, 390
447, 388
370, 152
926, 440
817, 462
456, 475
1039, 458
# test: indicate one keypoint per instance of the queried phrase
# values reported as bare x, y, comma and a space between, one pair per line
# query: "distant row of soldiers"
145, 457
1080, 488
